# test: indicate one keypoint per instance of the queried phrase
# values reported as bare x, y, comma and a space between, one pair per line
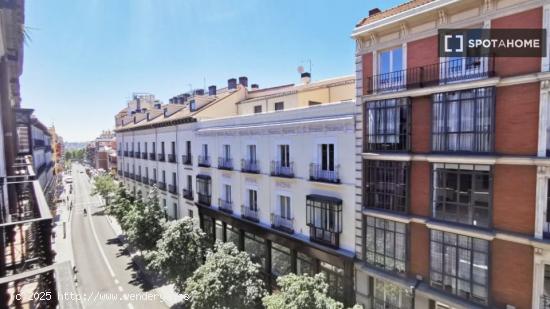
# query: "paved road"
106, 276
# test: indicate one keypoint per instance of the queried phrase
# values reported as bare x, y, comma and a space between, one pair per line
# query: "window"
251, 152
335, 279
461, 193
154, 147
284, 155
313, 103
284, 207
388, 125
192, 105
390, 69
304, 264
459, 265
227, 192
162, 147
324, 217
154, 174
173, 148
174, 179
252, 200
227, 152
145, 147
256, 248
327, 157
163, 176
188, 148
139, 147
389, 295
386, 245
190, 213
205, 150
146, 172
257, 109
386, 185
463, 120
279, 106
232, 234
280, 260
175, 211
189, 183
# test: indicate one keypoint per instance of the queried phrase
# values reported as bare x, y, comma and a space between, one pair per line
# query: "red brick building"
452, 202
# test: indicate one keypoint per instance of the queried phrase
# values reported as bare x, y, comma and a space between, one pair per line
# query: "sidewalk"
169, 296
62, 243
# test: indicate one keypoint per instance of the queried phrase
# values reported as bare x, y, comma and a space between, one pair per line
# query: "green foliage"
227, 279
301, 292
104, 186
121, 206
144, 222
76, 154
180, 251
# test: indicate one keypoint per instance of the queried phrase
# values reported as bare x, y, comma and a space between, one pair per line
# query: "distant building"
101, 153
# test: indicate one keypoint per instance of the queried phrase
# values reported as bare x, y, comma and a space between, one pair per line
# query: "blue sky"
86, 57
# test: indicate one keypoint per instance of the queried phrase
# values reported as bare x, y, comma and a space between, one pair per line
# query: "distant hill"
75, 145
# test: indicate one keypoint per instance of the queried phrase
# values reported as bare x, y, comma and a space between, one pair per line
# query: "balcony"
119, 173
204, 161
282, 170
406, 303
325, 237
318, 173
250, 213
152, 182
144, 155
119, 153
125, 153
162, 185
137, 154
188, 194
225, 205
127, 174
283, 224
456, 70
204, 199
187, 159
225, 163
152, 156
145, 180
250, 166
546, 228
161, 157
172, 158
173, 189
132, 176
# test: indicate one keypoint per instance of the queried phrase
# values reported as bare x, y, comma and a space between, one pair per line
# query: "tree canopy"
104, 186
144, 222
180, 251
301, 292
227, 279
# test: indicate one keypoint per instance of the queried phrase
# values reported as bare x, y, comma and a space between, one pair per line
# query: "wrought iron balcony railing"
125, 153
325, 237
545, 302
188, 194
119, 153
161, 157
152, 156
144, 155
173, 189
172, 158
152, 182
204, 199
161, 185
250, 213
462, 69
318, 173
131, 154
145, 180
225, 205
187, 159
204, 161
137, 154
282, 169
127, 174
225, 163
250, 166
282, 223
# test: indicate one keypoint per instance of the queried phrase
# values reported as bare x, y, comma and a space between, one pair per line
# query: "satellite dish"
300, 69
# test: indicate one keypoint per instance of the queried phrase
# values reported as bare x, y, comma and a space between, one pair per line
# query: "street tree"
303, 292
121, 206
227, 279
144, 222
104, 186
180, 251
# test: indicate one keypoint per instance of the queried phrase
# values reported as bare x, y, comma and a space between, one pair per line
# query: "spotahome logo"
492, 42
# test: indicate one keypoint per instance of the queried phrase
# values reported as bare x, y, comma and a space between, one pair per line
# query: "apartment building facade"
452, 152
269, 171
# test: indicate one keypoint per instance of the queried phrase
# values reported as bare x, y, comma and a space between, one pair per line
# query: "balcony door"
253, 200
284, 207
390, 66
284, 155
326, 156
226, 152
251, 152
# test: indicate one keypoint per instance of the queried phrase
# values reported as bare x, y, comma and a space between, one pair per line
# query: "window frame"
402, 169
470, 207
380, 109
405, 237
440, 131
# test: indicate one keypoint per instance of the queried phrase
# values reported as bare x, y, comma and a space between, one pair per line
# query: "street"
105, 272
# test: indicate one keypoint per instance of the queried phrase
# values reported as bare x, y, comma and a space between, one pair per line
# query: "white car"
69, 179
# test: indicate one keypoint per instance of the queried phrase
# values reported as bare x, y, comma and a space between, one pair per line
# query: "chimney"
374, 11
306, 77
199, 92
231, 83
243, 80
255, 87
157, 105
212, 90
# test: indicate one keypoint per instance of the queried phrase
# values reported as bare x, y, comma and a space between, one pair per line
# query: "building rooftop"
392, 11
